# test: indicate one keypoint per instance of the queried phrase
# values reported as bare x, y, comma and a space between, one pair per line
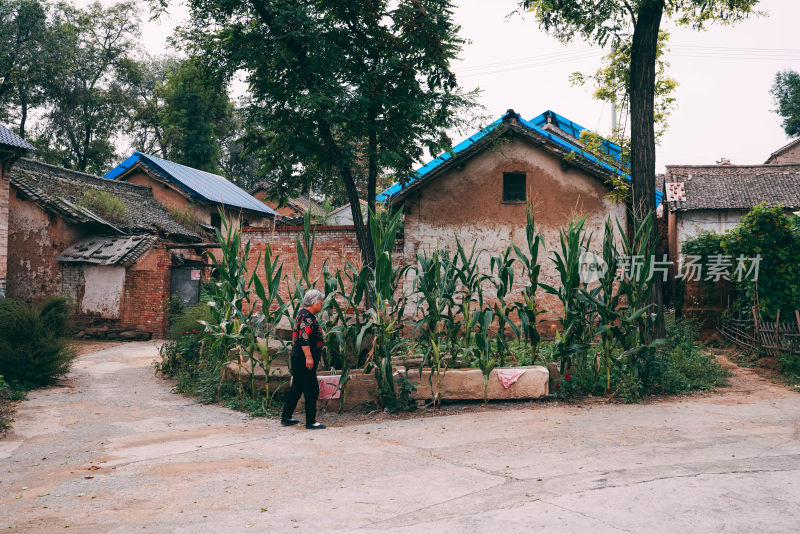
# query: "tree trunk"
23, 115
298, 50
372, 172
644, 50
346, 173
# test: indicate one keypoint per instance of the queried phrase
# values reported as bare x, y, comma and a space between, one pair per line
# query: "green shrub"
789, 365
768, 232
188, 321
33, 349
106, 204
687, 367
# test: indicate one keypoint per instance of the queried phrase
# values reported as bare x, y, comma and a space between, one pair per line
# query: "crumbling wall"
467, 202
36, 238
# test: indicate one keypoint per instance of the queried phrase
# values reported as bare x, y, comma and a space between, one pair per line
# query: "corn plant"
604, 299
637, 319
470, 297
527, 310
272, 309
235, 324
572, 340
387, 316
483, 356
502, 268
436, 284
346, 328
301, 281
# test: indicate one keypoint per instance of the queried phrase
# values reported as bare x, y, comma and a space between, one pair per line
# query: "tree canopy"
786, 96
338, 91
89, 96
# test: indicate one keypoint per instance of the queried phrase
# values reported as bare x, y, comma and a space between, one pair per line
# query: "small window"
514, 187
216, 221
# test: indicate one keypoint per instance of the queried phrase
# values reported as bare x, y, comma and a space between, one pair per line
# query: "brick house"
789, 153
107, 244
343, 215
479, 192
716, 197
191, 195
12, 147
293, 207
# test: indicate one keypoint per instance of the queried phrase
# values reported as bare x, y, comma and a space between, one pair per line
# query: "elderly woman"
306, 353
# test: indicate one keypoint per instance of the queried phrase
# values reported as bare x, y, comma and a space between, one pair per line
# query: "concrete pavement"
114, 450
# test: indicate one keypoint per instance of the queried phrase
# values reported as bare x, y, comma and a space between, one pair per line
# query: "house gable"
549, 131
199, 186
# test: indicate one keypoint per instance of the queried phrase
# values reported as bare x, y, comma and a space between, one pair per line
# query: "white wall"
103, 290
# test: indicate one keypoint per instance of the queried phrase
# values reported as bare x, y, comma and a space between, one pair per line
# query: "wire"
578, 54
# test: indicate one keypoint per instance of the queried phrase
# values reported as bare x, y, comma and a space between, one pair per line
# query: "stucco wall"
36, 238
467, 202
690, 223
102, 295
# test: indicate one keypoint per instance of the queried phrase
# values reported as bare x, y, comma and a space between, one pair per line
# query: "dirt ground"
112, 449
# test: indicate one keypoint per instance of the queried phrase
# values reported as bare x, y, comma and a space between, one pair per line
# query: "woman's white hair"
311, 297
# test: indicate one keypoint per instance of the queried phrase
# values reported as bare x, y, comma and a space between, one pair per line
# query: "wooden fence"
773, 337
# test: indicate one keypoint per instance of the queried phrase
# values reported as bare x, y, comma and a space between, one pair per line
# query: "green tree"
786, 95
338, 89
612, 86
29, 51
617, 21
196, 116
614, 22
147, 120
90, 97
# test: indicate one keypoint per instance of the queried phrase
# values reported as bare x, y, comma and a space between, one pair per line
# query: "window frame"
515, 174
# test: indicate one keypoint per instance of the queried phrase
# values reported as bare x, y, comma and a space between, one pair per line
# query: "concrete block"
467, 384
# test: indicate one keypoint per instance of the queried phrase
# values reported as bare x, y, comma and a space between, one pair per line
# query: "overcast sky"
724, 105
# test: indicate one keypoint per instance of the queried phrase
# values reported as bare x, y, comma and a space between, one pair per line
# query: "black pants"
304, 382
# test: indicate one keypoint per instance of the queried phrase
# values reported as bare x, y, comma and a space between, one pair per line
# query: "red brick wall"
333, 246
147, 288
4, 192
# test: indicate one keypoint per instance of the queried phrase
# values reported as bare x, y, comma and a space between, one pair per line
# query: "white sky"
724, 105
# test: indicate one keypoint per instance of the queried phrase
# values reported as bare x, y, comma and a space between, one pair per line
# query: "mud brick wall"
147, 288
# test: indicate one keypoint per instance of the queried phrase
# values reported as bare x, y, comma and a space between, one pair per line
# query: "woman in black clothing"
306, 353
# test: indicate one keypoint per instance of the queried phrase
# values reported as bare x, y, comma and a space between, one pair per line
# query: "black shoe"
289, 422
315, 426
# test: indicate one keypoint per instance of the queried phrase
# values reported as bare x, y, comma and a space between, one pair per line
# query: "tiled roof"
202, 185
9, 138
550, 131
741, 187
109, 250
300, 203
63, 191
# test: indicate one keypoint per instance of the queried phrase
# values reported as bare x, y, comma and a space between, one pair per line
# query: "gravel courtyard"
114, 450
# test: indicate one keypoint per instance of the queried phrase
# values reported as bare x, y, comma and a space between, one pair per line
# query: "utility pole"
613, 117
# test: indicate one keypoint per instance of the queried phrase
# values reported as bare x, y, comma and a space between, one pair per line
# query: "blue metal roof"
209, 187
536, 124
573, 129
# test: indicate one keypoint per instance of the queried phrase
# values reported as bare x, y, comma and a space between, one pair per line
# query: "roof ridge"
734, 166
136, 188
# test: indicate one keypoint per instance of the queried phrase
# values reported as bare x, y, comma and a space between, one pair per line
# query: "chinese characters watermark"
689, 268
